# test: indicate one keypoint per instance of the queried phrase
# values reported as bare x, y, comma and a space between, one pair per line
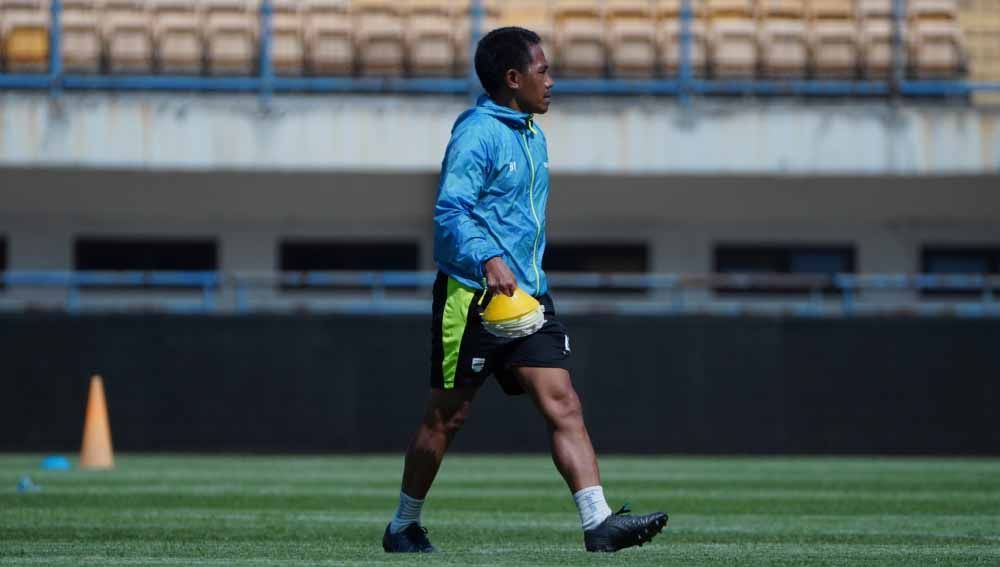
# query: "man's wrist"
490, 259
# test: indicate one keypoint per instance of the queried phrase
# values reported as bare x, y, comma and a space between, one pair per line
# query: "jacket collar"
505, 114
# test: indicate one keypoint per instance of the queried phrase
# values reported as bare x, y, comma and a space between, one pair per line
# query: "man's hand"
499, 278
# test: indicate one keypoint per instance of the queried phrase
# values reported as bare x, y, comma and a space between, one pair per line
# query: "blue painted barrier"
403, 292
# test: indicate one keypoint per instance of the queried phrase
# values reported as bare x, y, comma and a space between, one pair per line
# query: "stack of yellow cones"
96, 452
518, 315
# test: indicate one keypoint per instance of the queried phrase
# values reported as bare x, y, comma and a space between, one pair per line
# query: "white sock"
407, 513
592, 506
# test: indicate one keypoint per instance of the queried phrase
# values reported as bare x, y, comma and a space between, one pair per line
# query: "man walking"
489, 239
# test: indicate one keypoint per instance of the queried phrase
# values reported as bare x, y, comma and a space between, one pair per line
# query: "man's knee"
452, 419
447, 411
563, 405
554, 394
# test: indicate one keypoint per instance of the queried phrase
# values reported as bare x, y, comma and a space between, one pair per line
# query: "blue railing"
391, 292
684, 85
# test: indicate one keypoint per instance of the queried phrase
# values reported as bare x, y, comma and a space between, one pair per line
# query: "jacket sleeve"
460, 236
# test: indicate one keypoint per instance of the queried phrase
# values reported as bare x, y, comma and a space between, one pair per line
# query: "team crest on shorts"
478, 364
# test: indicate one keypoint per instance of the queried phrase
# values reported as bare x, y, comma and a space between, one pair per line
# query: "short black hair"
502, 49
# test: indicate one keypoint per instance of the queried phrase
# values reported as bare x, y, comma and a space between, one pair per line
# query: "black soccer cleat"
413, 539
620, 530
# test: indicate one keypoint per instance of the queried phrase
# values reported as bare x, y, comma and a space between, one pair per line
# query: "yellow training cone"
96, 452
512, 317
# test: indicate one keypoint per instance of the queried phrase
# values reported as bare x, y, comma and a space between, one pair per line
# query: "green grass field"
501, 510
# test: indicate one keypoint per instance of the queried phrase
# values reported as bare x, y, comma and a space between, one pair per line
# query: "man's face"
535, 84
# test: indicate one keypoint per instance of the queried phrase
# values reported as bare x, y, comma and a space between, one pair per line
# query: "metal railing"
391, 292
266, 83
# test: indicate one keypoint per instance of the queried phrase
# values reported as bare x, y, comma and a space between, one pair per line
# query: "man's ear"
513, 79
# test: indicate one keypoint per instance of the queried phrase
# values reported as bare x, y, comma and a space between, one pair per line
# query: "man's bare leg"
573, 453
552, 391
444, 415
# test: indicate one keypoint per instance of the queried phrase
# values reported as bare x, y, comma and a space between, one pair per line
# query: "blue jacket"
491, 197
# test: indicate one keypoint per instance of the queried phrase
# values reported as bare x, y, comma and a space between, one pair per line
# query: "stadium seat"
379, 37
581, 45
876, 37
81, 45
26, 39
669, 38
329, 37
177, 36
430, 48
784, 51
631, 37
535, 16
78, 6
834, 39
128, 36
980, 23
935, 44
732, 33
917, 9
19, 8
463, 27
230, 37
287, 38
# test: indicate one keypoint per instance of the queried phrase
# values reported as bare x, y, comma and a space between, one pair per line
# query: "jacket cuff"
487, 256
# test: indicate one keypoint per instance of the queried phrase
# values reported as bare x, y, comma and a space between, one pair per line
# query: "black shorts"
464, 353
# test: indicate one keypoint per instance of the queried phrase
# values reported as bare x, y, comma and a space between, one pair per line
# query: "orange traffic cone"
96, 452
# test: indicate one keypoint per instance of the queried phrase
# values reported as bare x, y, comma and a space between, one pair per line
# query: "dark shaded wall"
345, 383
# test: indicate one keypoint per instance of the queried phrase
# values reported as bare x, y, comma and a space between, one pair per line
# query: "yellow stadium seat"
81, 47
784, 50
430, 49
536, 16
580, 39
834, 39
876, 37
463, 28
669, 37
177, 35
631, 37
378, 37
230, 37
329, 37
287, 38
23, 14
732, 33
26, 41
128, 36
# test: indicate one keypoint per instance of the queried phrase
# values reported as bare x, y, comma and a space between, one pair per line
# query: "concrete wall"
888, 218
620, 135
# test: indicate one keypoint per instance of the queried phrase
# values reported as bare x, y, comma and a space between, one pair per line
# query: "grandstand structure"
814, 157
821, 47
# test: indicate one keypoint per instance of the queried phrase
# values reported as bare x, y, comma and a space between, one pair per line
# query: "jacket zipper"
538, 224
